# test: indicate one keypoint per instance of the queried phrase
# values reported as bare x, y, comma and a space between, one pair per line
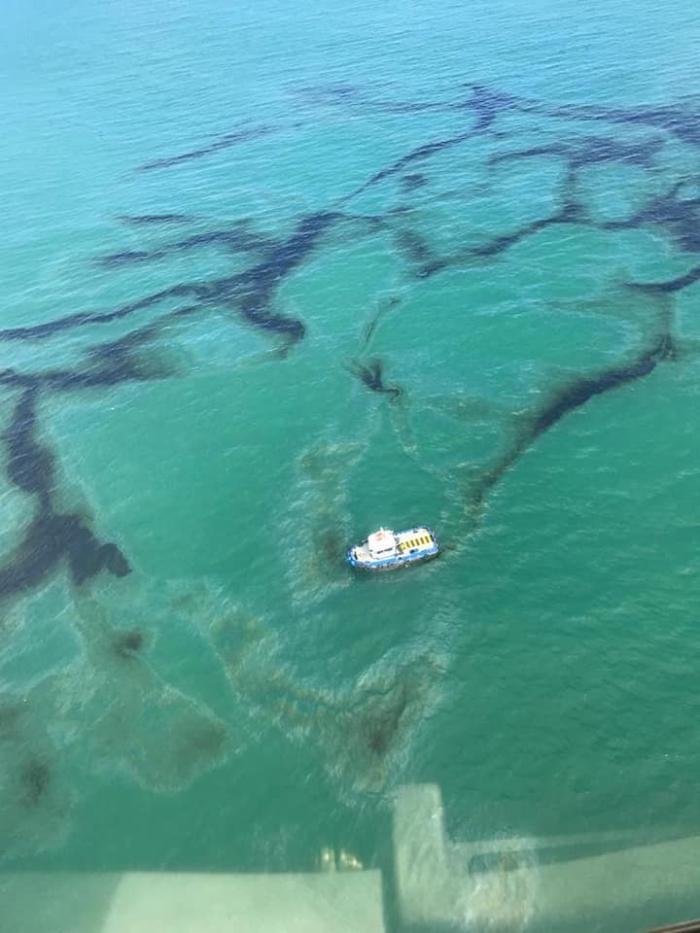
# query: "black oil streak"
330, 93
380, 728
251, 291
413, 245
568, 398
10, 717
570, 212
590, 150
680, 121
116, 359
128, 644
35, 777
371, 328
413, 181
371, 375
142, 220
501, 243
419, 154
30, 465
490, 103
237, 240
678, 215
254, 289
333, 545
88, 318
223, 142
486, 103
672, 285
352, 97
50, 537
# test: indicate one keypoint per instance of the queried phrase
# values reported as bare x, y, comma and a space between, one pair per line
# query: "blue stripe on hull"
394, 563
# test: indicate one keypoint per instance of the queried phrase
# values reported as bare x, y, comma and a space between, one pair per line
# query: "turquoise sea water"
275, 274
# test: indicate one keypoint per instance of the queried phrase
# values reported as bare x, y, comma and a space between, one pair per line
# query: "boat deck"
385, 550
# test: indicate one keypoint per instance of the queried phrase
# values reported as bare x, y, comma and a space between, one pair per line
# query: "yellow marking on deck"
419, 541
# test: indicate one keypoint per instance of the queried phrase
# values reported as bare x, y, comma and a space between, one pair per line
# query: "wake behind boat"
389, 550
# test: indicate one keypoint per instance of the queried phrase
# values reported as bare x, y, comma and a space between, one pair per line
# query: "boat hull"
387, 566
413, 549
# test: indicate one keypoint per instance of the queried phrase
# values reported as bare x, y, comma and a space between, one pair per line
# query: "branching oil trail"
355, 99
671, 285
52, 538
676, 212
237, 240
491, 248
48, 329
567, 398
486, 102
414, 246
681, 120
590, 150
371, 375
413, 181
386, 308
251, 292
570, 212
419, 154
227, 141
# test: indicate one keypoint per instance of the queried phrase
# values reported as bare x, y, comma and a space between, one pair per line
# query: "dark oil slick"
413, 181
52, 538
236, 240
227, 141
143, 220
371, 375
127, 645
565, 399
35, 777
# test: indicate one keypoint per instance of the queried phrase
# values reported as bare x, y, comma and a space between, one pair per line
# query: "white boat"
389, 550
